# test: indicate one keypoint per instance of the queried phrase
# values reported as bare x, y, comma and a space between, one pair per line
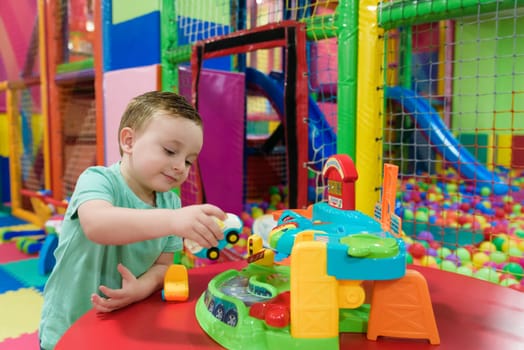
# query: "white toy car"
232, 228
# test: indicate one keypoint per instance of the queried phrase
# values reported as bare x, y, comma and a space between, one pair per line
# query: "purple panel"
221, 105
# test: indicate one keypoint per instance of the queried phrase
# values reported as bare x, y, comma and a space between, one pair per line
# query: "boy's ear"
126, 139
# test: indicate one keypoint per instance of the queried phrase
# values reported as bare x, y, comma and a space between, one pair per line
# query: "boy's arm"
105, 224
133, 289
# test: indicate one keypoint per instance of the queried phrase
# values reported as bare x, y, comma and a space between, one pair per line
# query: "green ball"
463, 254
519, 233
506, 282
517, 208
408, 214
514, 251
451, 187
514, 269
485, 191
421, 216
449, 266
498, 242
409, 259
274, 190
498, 257
465, 270
487, 274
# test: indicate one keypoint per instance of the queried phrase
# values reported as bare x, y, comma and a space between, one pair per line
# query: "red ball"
500, 213
465, 207
472, 250
417, 250
434, 244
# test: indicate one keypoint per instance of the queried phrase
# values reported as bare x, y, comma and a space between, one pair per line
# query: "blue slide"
323, 138
438, 135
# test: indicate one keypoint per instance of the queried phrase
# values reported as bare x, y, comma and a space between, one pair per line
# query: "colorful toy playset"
308, 285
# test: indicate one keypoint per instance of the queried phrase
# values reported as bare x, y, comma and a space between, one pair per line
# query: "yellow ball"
256, 212
487, 247
479, 259
428, 260
509, 243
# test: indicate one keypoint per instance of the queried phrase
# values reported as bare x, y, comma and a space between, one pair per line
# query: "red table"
470, 314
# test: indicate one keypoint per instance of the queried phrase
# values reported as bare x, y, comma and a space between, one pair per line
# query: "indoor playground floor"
20, 293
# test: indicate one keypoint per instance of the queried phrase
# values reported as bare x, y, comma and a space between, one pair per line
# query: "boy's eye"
188, 163
168, 151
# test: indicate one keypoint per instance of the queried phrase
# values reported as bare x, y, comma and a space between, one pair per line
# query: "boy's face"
158, 157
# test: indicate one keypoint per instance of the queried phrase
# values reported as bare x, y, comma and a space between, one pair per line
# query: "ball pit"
471, 232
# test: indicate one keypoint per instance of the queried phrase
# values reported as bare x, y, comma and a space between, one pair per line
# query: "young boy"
123, 223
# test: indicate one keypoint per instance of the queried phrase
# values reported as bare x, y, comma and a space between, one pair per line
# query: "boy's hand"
198, 223
118, 298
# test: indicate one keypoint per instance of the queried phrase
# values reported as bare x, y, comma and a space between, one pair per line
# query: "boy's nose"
178, 163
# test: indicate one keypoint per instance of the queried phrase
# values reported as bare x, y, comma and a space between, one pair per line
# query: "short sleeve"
93, 183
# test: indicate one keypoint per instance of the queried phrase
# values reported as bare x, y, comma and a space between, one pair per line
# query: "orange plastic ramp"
402, 309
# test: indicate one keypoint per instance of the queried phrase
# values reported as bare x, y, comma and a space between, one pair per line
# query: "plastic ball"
425, 236
485, 191
508, 244
515, 251
443, 252
421, 216
479, 259
408, 215
487, 274
256, 212
417, 250
508, 282
498, 241
514, 269
454, 259
498, 257
463, 254
464, 270
448, 265
487, 247
428, 260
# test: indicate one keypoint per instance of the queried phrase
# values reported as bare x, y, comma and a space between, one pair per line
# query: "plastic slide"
322, 136
438, 135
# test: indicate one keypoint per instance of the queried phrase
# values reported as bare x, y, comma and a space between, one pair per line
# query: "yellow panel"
503, 151
314, 302
37, 129
490, 159
4, 149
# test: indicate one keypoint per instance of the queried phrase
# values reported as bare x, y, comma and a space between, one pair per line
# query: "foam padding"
8, 282
124, 10
9, 253
9, 220
503, 150
23, 307
134, 43
517, 151
223, 151
26, 272
479, 145
119, 88
25, 341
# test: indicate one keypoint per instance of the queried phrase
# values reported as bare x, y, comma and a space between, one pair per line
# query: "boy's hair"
142, 108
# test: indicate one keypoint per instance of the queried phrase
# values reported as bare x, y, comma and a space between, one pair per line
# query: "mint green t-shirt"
82, 265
